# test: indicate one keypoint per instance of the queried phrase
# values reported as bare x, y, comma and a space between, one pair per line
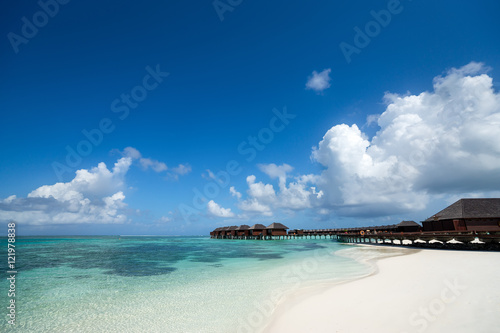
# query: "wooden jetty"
388, 235
466, 224
439, 239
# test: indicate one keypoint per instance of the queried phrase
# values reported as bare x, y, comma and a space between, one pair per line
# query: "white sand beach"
427, 291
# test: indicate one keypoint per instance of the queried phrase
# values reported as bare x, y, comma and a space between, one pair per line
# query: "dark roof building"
276, 225
243, 230
469, 208
257, 229
243, 227
467, 215
276, 229
408, 226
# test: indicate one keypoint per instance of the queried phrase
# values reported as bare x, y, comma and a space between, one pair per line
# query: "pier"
444, 239
384, 235
466, 224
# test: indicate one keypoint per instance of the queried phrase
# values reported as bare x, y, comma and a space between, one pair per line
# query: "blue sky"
174, 91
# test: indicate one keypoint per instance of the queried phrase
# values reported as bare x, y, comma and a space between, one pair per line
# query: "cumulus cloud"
439, 142
260, 198
435, 144
93, 196
264, 192
254, 207
263, 199
319, 81
217, 211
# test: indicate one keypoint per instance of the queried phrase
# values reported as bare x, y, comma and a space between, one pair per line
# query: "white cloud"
153, 164
433, 145
146, 163
164, 219
182, 169
9, 199
319, 81
215, 210
93, 196
264, 192
157, 166
263, 199
275, 171
444, 141
234, 193
132, 152
260, 198
297, 196
253, 206
372, 119
208, 175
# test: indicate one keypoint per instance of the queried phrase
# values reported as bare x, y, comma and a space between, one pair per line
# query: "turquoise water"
163, 284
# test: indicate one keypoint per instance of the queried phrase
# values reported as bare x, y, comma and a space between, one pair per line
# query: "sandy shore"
428, 291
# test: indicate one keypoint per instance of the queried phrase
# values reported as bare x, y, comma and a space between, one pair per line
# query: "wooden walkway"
441, 239
268, 237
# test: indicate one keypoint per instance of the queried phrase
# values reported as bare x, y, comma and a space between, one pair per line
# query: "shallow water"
164, 284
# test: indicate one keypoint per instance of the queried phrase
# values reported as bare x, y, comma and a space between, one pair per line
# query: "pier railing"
441, 239
436, 239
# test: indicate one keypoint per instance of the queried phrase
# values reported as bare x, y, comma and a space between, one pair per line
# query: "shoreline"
367, 255
421, 291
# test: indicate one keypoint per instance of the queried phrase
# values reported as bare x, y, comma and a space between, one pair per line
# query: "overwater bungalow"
276, 229
223, 232
216, 233
231, 231
467, 215
243, 231
257, 230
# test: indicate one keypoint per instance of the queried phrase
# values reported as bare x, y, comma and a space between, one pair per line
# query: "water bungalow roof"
277, 226
243, 227
469, 208
408, 224
258, 227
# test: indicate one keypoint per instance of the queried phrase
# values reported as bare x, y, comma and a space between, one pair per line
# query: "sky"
176, 117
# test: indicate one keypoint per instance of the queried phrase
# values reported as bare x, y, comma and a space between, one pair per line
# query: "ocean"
166, 284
